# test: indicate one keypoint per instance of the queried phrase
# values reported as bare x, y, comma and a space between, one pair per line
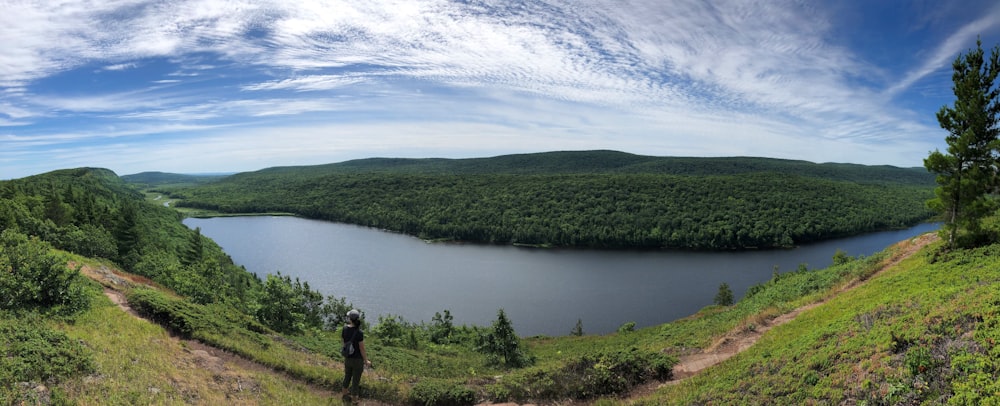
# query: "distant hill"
599, 199
602, 161
154, 179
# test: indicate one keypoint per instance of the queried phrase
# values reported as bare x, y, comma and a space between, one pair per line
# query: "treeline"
600, 210
93, 213
612, 162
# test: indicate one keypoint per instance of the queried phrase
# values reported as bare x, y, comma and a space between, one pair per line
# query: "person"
354, 364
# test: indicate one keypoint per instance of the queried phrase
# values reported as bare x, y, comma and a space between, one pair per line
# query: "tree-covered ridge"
593, 162
93, 213
155, 179
737, 207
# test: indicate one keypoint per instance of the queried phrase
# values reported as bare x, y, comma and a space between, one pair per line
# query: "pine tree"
967, 173
725, 295
502, 345
195, 249
578, 329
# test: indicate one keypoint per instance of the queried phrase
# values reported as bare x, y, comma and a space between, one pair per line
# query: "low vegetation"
923, 332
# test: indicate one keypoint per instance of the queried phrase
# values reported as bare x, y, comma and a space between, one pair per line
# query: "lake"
543, 291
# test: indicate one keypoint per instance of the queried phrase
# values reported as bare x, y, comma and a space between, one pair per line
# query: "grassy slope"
919, 332
916, 332
138, 362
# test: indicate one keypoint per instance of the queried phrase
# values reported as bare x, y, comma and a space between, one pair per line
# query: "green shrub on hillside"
31, 353
585, 376
32, 277
436, 392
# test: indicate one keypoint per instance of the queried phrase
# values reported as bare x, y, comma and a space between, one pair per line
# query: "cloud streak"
734, 73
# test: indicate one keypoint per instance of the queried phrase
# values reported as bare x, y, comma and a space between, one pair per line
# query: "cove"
543, 291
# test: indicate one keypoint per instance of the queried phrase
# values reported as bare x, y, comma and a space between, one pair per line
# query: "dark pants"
353, 367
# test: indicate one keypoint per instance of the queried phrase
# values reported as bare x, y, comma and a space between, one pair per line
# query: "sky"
213, 86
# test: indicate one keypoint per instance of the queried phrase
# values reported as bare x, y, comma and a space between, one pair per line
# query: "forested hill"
614, 162
598, 199
153, 179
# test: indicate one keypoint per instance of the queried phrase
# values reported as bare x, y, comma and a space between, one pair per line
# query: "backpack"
348, 348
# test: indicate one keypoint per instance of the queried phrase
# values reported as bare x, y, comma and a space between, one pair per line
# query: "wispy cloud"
307, 83
946, 52
745, 77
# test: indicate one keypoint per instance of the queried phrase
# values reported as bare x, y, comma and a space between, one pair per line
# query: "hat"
354, 314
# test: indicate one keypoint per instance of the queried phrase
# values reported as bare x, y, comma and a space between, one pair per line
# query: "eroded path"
225, 366
742, 338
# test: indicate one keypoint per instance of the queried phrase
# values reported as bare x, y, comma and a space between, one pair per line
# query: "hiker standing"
355, 356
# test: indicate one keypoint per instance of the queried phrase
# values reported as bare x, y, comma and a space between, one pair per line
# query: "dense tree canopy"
93, 213
968, 172
732, 206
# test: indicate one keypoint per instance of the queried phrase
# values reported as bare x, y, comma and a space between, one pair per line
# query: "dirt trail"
742, 338
227, 367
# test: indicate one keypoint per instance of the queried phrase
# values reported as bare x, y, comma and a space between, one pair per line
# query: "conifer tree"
967, 173
725, 295
502, 345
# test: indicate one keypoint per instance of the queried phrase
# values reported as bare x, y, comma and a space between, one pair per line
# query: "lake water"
543, 291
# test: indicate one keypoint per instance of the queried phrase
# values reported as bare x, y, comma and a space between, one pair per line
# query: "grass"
138, 362
918, 333
923, 331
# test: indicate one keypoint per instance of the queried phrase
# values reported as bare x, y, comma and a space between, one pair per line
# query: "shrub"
394, 331
440, 392
627, 327
34, 277
587, 376
31, 352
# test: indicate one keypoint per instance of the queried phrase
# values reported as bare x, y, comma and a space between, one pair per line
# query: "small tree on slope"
967, 173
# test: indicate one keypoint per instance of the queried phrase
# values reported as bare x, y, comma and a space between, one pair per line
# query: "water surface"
544, 291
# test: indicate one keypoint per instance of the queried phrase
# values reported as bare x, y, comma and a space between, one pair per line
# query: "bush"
35, 278
394, 331
586, 376
628, 327
441, 393
31, 352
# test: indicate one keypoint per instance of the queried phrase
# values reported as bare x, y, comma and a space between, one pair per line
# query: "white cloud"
308, 83
947, 50
703, 77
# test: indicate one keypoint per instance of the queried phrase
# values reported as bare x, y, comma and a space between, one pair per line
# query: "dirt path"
226, 366
742, 338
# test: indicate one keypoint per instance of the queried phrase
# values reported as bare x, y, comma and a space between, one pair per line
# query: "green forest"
594, 199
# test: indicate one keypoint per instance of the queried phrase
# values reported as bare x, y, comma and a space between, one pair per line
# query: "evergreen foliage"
92, 212
713, 204
33, 278
725, 295
967, 174
31, 352
442, 327
502, 346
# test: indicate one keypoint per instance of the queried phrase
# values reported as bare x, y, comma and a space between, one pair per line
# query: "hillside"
161, 179
900, 327
607, 162
596, 199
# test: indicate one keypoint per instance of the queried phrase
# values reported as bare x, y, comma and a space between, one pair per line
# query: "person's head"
354, 317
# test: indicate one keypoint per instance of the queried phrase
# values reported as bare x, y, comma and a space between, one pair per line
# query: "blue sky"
224, 86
